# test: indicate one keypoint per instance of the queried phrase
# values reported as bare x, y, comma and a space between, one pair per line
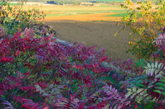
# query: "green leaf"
121, 5
51, 97
140, 90
163, 80
84, 97
158, 91
160, 84
140, 85
138, 8
149, 105
50, 101
163, 93
23, 70
133, 95
161, 88
129, 89
128, 94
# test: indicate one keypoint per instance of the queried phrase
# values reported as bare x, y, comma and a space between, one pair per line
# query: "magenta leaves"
44, 59
40, 73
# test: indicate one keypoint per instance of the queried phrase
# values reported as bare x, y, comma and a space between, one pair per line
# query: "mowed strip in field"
85, 17
78, 13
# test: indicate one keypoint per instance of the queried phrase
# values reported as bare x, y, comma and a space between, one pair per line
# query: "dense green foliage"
25, 18
144, 27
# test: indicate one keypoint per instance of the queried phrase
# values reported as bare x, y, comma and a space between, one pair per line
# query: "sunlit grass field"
68, 10
55, 11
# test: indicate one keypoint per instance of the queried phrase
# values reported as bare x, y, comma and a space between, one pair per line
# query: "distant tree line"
92, 1
74, 2
66, 1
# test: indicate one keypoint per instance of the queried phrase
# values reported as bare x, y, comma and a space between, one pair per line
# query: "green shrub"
24, 17
144, 27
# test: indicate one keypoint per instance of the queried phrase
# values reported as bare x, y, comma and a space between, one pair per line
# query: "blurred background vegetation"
78, 2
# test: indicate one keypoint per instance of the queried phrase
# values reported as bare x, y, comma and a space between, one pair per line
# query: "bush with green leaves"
144, 23
25, 18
